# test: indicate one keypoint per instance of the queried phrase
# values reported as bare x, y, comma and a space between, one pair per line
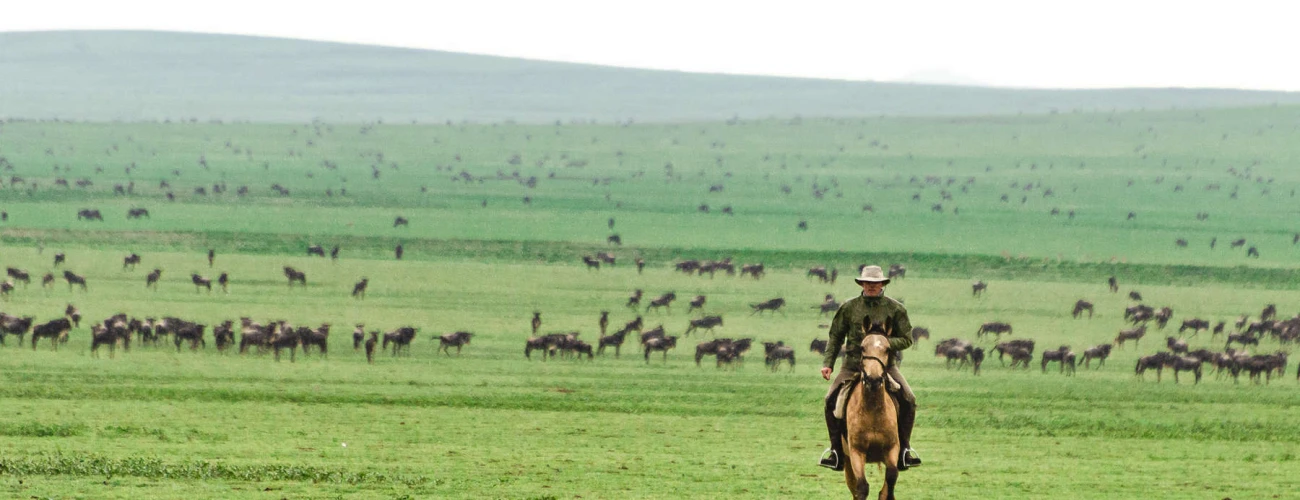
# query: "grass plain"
489, 423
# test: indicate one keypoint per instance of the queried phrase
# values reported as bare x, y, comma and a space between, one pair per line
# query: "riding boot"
833, 457
906, 419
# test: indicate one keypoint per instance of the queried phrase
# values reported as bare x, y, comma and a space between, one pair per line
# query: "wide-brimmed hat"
872, 274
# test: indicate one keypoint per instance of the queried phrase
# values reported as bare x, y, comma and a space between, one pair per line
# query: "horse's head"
875, 351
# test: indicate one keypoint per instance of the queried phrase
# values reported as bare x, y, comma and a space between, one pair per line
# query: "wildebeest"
285, 337
89, 214
1100, 353
212, 257
130, 261
359, 289
640, 265
1140, 313
614, 239
1195, 324
978, 287
1244, 339
457, 340
295, 275
59, 258
1176, 345
1113, 283
1080, 307
919, 333
774, 305
976, 360
997, 328
1134, 334
318, 337
1183, 364
401, 339
778, 354
1155, 362
14, 325
55, 330
591, 262
400, 221
152, 279
224, 281
711, 348
662, 344
136, 213
1006, 348
334, 253
200, 281
1269, 312
1063, 355
315, 250
955, 352
818, 346
113, 330
634, 300
820, 273
754, 270
615, 340
1133, 294
370, 346
705, 323
537, 321
1162, 317
19, 275
664, 301
895, 271
74, 279
696, 303
6, 287
606, 258
398, 251
827, 306
358, 335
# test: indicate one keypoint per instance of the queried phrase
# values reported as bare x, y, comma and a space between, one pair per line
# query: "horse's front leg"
855, 474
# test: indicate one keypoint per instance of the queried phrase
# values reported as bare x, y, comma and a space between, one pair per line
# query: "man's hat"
872, 274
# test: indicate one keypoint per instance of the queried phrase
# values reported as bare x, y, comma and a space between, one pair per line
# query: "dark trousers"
906, 410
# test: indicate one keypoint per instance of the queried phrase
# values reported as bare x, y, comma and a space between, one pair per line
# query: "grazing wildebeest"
640, 265
1133, 294
334, 253
712, 348
978, 288
1269, 312
55, 330
19, 275
919, 333
871, 422
664, 301
1139, 313
59, 258
896, 271
1100, 353
295, 275
606, 258
14, 325
6, 287
130, 261
997, 328
457, 340
136, 213
200, 281
370, 346
212, 257
1135, 335
224, 281
74, 279
398, 251
1175, 345
152, 279
591, 262
614, 239
401, 221
659, 344
827, 306
537, 321
1006, 348
820, 273
687, 266
359, 289
1218, 329
1180, 243
1113, 283
315, 250
109, 333
778, 354
1162, 317
705, 323
89, 214
1184, 364
696, 303
1238, 243
1195, 324
1252, 252
1080, 307
774, 305
634, 300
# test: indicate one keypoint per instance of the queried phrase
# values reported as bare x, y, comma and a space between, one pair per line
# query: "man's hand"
826, 373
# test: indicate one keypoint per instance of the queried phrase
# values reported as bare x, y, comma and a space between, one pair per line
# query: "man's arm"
839, 328
902, 338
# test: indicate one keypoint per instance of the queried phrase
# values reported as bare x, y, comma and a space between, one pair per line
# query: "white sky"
1042, 43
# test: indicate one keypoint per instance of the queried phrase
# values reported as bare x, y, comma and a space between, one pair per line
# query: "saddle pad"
846, 389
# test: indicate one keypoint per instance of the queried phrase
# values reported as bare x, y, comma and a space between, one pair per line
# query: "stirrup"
831, 460
908, 458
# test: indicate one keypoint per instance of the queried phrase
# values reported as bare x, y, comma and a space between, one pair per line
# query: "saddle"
846, 389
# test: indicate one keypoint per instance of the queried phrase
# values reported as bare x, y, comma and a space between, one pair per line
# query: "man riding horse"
847, 330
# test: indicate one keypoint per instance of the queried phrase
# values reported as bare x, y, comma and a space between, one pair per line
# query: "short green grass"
154, 422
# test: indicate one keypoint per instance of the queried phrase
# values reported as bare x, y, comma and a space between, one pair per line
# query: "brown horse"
871, 417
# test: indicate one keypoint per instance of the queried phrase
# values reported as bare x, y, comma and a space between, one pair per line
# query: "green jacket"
846, 329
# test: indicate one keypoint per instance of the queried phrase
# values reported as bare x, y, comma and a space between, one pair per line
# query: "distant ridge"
139, 75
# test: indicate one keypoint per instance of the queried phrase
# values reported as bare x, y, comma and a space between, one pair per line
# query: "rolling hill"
134, 76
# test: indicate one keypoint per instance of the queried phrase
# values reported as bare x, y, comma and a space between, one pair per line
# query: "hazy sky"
1042, 43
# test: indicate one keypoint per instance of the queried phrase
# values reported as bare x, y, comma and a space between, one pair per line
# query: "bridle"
874, 382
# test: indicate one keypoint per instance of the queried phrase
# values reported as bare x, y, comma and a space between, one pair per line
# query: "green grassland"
489, 423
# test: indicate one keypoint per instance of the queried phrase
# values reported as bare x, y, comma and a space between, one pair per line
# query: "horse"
871, 417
